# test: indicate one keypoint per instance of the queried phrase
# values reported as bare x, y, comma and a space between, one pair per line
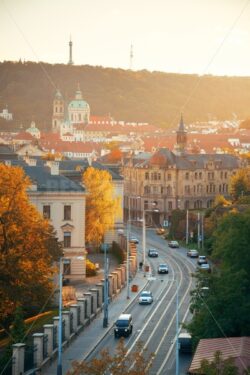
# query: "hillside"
28, 90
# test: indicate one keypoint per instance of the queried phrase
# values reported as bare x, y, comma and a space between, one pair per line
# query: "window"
170, 205
225, 174
146, 176
79, 116
146, 189
67, 212
46, 212
169, 177
155, 189
186, 175
187, 189
56, 109
66, 266
67, 239
145, 205
186, 205
200, 175
196, 175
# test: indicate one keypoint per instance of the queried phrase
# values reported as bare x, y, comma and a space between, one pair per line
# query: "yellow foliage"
102, 207
25, 262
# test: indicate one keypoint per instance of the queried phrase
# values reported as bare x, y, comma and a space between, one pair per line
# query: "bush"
90, 268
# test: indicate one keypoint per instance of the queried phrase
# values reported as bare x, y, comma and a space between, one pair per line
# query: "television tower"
131, 57
70, 52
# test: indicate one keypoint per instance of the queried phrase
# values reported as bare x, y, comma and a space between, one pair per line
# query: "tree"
26, 254
136, 362
240, 184
101, 205
218, 366
225, 308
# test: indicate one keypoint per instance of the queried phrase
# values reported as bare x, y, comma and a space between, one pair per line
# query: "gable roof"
236, 347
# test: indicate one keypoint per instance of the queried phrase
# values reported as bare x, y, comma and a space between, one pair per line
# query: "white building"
6, 114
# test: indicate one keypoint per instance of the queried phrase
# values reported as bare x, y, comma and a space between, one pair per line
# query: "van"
185, 342
123, 326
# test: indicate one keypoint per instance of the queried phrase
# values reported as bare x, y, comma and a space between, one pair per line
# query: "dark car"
123, 325
153, 253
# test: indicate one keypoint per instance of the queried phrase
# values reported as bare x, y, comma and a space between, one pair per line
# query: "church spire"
181, 138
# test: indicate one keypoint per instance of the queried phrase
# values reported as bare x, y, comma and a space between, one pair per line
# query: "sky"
180, 36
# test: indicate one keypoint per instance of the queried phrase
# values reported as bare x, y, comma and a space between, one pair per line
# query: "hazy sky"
183, 36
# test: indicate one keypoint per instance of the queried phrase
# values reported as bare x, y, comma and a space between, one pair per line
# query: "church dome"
78, 103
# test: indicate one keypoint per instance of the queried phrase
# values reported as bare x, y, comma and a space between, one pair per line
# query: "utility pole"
198, 230
59, 358
202, 231
143, 237
187, 229
177, 330
128, 235
106, 287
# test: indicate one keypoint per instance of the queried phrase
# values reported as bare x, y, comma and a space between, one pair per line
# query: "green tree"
102, 207
224, 310
136, 362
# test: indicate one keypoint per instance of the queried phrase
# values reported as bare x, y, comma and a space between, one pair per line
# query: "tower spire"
131, 57
70, 52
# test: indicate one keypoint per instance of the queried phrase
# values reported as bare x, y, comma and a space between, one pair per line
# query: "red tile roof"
236, 347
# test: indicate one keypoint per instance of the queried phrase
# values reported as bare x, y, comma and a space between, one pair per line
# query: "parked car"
145, 298
162, 268
202, 259
153, 253
205, 267
173, 244
134, 240
123, 325
185, 342
192, 253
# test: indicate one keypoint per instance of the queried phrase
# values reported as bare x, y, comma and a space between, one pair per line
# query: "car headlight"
116, 330
125, 329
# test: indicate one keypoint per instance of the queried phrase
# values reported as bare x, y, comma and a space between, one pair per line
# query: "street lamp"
106, 286
59, 358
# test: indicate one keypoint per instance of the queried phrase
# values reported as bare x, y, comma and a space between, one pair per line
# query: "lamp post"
128, 235
106, 286
177, 330
59, 358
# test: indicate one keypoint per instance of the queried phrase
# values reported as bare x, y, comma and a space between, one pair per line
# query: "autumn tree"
102, 207
240, 184
136, 362
28, 248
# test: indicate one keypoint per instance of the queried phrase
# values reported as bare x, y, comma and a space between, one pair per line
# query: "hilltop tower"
58, 112
181, 138
131, 57
70, 52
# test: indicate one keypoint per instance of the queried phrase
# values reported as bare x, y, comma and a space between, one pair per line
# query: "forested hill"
28, 89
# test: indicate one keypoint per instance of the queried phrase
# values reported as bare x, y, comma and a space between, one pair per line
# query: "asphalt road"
155, 325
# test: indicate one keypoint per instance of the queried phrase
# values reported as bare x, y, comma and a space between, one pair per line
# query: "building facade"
162, 182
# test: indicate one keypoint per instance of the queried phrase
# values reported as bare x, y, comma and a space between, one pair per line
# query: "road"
155, 325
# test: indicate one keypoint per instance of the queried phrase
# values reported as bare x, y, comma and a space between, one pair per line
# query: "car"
202, 259
173, 244
162, 268
205, 267
160, 231
153, 253
145, 297
192, 253
123, 326
185, 342
134, 240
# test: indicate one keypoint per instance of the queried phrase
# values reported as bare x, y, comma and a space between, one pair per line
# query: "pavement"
87, 339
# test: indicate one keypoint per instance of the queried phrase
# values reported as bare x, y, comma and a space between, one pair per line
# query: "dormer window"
67, 212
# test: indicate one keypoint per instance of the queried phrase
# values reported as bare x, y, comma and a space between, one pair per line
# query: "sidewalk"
86, 341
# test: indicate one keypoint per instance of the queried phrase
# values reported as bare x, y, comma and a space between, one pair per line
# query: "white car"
145, 298
134, 240
162, 268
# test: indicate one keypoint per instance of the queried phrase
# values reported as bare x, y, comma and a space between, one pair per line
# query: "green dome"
76, 104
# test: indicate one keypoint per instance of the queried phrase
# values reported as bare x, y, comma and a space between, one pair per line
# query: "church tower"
181, 138
70, 52
58, 112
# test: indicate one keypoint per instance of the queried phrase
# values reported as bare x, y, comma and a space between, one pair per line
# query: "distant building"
6, 114
33, 130
165, 181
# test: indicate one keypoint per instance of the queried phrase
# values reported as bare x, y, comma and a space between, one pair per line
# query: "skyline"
189, 36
